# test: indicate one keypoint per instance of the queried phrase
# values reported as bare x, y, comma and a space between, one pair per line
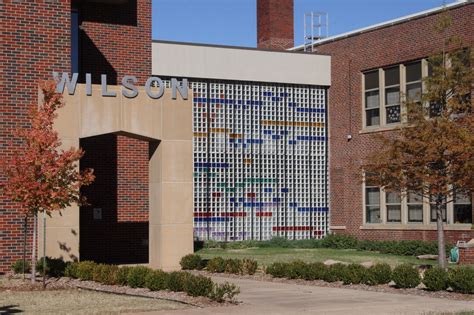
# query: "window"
413, 81
415, 208
74, 41
372, 99
433, 209
372, 201
462, 208
393, 203
392, 95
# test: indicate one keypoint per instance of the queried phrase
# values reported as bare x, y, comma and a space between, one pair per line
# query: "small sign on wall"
97, 213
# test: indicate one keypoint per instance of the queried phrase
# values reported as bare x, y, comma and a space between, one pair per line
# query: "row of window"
383, 90
392, 207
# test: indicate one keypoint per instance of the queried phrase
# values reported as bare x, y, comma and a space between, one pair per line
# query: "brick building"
245, 157
255, 117
371, 68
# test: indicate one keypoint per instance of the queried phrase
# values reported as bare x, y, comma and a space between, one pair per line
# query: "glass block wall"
260, 161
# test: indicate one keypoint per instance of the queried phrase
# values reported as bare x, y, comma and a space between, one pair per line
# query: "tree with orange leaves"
432, 155
41, 176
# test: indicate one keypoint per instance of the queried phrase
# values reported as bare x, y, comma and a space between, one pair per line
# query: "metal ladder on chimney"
316, 27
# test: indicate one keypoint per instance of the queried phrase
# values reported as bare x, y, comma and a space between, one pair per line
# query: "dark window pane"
373, 214
371, 80
433, 213
413, 71
372, 117
392, 197
372, 196
435, 109
462, 213
392, 76
414, 91
394, 213
392, 96
393, 114
415, 213
372, 99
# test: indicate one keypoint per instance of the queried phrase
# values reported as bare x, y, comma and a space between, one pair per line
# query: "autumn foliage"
42, 176
432, 154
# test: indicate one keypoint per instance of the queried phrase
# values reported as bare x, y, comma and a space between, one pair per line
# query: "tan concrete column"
171, 187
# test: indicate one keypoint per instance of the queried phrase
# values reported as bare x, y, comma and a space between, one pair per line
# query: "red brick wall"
466, 255
116, 40
132, 180
350, 56
275, 24
34, 41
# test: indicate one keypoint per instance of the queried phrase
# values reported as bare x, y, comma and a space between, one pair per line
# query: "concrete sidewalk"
279, 298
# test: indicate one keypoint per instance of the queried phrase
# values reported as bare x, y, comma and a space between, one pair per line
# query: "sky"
234, 22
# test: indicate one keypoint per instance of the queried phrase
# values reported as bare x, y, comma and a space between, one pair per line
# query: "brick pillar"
35, 40
466, 254
275, 24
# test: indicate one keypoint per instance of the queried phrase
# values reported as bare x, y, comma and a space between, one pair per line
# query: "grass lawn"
78, 302
267, 256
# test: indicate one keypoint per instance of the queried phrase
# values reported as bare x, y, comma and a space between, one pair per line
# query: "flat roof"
188, 60
386, 23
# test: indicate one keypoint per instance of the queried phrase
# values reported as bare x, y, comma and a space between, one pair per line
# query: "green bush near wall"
339, 241
143, 277
406, 276
461, 279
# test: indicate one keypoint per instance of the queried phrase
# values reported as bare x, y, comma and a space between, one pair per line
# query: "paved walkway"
279, 298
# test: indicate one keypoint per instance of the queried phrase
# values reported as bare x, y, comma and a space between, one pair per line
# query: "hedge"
143, 277
436, 279
461, 279
339, 241
219, 265
406, 276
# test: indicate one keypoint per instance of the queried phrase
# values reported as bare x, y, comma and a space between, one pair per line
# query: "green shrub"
216, 264
55, 267
176, 281
277, 269
340, 241
198, 285
232, 265
85, 270
156, 280
436, 279
71, 270
17, 266
248, 266
316, 271
137, 276
297, 270
354, 274
222, 292
405, 276
122, 275
191, 262
461, 279
334, 273
378, 274
106, 274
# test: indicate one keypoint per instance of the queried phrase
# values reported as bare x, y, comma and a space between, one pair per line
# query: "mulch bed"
386, 288
10, 283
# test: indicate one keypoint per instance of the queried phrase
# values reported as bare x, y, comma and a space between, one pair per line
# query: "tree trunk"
44, 249
440, 228
33, 250
25, 227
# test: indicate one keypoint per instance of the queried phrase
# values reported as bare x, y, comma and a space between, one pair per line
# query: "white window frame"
383, 125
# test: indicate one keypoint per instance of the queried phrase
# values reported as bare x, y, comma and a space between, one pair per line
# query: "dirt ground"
77, 301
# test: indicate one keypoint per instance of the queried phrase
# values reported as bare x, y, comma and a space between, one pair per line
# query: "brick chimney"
275, 24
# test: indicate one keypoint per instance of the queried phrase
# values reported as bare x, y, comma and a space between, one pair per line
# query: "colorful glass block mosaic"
260, 161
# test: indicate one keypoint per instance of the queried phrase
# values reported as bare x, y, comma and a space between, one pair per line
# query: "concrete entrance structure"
164, 122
